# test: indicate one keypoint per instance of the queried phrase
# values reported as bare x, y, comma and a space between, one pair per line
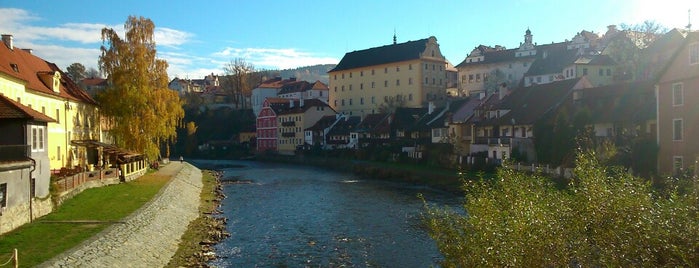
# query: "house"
409, 74
184, 86
340, 134
281, 123
267, 89
618, 109
93, 85
42, 86
678, 117
506, 121
495, 64
315, 135
374, 130
303, 89
292, 122
24, 164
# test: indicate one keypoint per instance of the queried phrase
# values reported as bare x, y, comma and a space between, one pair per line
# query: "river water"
297, 216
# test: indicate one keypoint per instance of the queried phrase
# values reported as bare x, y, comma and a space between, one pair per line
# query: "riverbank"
151, 235
195, 248
435, 177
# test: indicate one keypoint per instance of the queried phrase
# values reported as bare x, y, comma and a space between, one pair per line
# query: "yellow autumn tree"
143, 113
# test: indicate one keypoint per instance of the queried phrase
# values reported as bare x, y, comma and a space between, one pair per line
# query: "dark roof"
375, 123
493, 56
529, 104
552, 58
345, 126
307, 103
622, 102
10, 109
323, 123
295, 86
381, 55
405, 118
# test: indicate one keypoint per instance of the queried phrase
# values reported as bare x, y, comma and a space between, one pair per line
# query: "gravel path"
149, 237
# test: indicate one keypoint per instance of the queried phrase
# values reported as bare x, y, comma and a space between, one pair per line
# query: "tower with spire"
527, 48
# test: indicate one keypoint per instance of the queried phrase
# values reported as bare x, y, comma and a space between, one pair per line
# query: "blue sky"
200, 38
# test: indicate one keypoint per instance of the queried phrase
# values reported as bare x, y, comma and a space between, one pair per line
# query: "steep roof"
529, 104
493, 56
10, 109
381, 55
627, 102
297, 108
26, 67
552, 58
375, 123
323, 123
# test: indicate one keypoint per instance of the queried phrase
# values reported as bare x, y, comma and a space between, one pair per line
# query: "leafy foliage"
604, 217
143, 113
77, 72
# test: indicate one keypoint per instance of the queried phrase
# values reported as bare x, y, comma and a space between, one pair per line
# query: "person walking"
181, 159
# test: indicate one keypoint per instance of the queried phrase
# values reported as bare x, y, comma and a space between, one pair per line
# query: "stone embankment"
150, 236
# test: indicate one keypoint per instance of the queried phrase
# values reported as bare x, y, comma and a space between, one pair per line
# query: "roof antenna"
689, 20
394, 36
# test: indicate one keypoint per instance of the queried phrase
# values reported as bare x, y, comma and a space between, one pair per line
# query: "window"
677, 129
350, 102
478, 77
361, 73
335, 77
3, 195
410, 66
373, 85
350, 87
470, 78
677, 94
37, 138
343, 76
397, 82
335, 103
397, 68
426, 66
694, 53
350, 74
584, 71
361, 86
677, 164
372, 71
609, 72
343, 102
58, 152
335, 89
601, 72
373, 100
426, 80
385, 70
410, 81
361, 101
385, 83
410, 96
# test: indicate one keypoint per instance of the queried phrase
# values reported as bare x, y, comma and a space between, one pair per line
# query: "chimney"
28, 50
7, 39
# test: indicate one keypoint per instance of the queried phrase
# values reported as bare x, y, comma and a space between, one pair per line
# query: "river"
297, 216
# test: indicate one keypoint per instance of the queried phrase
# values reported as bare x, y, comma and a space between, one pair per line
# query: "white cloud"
273, 58
171, 37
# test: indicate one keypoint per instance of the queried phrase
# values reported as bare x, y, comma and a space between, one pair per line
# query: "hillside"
308, 73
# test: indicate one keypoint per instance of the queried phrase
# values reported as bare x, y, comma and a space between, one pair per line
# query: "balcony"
493, 141
289, 124
289, 134
14, 152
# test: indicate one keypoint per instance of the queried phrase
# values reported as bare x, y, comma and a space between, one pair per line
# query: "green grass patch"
47, 237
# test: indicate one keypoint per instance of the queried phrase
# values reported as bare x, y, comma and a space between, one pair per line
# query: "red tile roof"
25, 66
10, 109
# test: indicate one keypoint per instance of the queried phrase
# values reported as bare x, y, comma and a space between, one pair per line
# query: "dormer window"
14, 67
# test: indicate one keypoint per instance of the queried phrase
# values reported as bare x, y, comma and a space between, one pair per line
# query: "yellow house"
293, 122
410, 74
42, 86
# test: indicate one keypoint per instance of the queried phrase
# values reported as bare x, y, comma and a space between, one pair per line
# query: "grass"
197, 229
65, 228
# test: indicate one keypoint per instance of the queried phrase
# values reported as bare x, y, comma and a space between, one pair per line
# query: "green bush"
604, 217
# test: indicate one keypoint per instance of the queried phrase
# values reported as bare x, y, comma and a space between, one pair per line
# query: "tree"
390, 103
604, 218
92, 73
237, 80
495, 80
76, 71
142, 112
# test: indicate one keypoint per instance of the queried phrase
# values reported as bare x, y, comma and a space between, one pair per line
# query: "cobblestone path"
149, 237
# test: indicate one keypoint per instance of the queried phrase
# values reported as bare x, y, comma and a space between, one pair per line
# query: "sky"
197, 39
